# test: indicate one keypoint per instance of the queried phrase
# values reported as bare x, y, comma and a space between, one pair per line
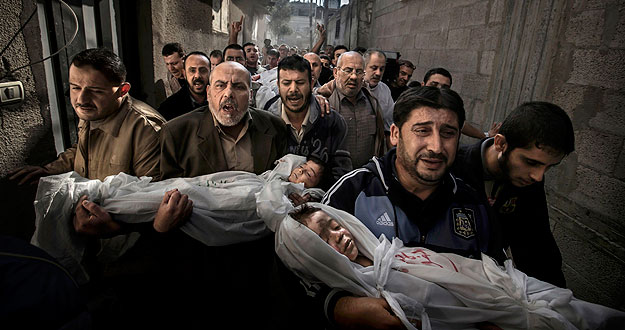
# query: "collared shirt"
126, 141
237, 152
298, 134
361, 128
195, 104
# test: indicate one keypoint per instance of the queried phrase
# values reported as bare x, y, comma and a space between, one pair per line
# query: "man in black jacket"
311, 133
509, 170
193, 94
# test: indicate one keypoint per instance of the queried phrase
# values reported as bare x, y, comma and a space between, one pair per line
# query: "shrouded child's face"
337, 236
308, 173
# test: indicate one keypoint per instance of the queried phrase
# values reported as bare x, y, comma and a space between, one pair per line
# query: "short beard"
304, 107
228, 121
411, 166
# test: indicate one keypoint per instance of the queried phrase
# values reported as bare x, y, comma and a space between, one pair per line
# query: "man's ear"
394, 136
124, 88
335, 72
500, 143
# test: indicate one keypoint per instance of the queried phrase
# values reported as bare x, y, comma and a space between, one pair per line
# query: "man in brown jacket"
209, 283
116, 133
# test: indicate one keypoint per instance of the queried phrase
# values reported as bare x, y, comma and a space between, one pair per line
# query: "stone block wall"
570, 52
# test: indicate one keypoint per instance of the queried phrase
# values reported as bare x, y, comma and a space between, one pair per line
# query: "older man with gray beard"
223, 136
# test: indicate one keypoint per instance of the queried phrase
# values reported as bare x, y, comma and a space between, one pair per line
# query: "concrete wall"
502, 53
191, 25
25, 129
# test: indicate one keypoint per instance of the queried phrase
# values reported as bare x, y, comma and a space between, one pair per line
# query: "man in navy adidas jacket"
409, 193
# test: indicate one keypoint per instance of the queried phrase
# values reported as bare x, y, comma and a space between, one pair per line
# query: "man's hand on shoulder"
324, 104
28, 174
365, 313
93, 220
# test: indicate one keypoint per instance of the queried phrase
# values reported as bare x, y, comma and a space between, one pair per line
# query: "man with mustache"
362, 112
197, 69
509, 169
225, 135
410, 194
310, 134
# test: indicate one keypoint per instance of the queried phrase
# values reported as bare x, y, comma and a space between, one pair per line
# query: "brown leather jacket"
126, 141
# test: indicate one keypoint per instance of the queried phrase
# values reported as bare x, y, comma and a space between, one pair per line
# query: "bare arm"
472, 131
322, 39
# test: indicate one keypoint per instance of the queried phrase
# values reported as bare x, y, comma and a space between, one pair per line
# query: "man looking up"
441, 78
375, 64
310, 133
251, 58
509, 170
197, 70
216, 57
410, 194
398, 86
234, 52
173, 55
362, 112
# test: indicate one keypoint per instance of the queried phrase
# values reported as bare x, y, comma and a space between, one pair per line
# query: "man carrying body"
441, 78
375, 64
310, 133
410, 194
509, 169
251, 58
225, 135
362, 112
398, 86
197, 69
116, 133
173, 55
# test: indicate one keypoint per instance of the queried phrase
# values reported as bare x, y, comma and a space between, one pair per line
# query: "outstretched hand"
322, 31
175, 208
494, 129
236, 27
324, 104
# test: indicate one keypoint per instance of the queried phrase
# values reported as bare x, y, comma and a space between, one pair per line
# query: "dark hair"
372, 51
324, 57
198, 53
338, 47
360, 49
273, 52
434, 71
248, 44
302, 213
427, 96
407, 63
216, 53
172, 47
540, 123
295, 62
414, 84
235, 46
104, 61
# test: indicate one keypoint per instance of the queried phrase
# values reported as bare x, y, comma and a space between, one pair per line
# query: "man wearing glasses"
362, 112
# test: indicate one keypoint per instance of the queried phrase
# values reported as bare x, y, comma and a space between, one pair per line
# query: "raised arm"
322, 39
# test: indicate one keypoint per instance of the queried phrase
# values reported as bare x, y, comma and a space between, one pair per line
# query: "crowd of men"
391, 154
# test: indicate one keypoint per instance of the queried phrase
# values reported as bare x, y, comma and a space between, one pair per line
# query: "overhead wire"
51, 55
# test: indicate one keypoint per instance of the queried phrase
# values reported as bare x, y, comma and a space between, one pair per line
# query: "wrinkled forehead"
229, 72
354, 61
